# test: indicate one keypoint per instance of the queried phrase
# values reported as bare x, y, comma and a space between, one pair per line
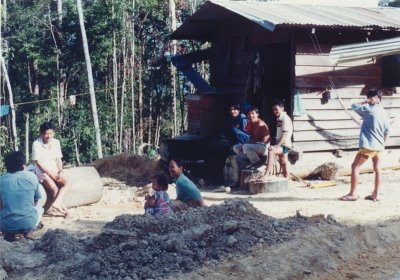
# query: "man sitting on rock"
19, 193
46, 152
258, 143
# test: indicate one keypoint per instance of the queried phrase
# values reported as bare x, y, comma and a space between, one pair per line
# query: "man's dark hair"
178, 161
235, 106
162, 181
15, 161
278, 102
46, 126
251, 109
374, 92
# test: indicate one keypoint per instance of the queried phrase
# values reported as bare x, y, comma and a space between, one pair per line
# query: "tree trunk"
36, 77
173, 71
115, 81
150, 117
140, 96
11, 97
90, 79
123, 91
132, 72
76, 141
59, 12
29, 78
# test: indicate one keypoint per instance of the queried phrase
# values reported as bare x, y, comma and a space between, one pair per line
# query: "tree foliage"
46, 67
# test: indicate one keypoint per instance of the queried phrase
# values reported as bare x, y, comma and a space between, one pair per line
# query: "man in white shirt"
46, 152
284, 131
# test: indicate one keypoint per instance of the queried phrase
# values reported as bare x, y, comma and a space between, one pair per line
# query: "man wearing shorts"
373, 135
46, 152
284, 131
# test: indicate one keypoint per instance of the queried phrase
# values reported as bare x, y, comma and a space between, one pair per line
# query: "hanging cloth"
298, 105
4, 110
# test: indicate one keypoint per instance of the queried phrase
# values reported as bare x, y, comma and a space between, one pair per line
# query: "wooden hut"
260, 51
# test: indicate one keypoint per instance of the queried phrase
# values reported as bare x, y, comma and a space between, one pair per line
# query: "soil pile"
128, 168
145, 246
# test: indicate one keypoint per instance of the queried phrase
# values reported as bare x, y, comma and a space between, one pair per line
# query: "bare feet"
29, 236
349, 197
56, 208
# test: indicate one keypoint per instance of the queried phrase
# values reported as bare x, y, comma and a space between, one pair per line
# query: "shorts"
285, 149
369, 153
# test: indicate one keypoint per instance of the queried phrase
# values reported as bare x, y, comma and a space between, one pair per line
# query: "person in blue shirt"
19, 194
186, 190
373, 135
236, 133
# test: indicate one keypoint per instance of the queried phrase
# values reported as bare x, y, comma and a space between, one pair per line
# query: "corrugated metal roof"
365, 50
270, 15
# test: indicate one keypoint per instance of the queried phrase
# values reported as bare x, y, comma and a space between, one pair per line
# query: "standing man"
237, 125
373, 135
46, 152
258, 142
19, 194
283, 143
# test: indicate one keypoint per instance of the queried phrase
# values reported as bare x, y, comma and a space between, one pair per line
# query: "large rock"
86, 186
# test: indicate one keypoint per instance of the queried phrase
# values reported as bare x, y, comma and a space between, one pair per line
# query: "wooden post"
27, 137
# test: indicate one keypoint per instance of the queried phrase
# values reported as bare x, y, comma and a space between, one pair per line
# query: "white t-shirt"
284, 125
46, 154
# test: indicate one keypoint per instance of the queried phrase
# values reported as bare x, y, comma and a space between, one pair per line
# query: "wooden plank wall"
234, 44
325, 124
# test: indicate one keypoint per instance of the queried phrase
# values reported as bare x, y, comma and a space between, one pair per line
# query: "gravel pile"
153, 247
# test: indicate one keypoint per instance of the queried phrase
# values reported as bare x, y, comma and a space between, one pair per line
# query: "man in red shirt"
258, 143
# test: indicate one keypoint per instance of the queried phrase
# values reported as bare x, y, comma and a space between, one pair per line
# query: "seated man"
284, 131
19, 193
46, 152
237, 124
258, 143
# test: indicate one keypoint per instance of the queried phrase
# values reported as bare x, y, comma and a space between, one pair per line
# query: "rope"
48, 99
318, 49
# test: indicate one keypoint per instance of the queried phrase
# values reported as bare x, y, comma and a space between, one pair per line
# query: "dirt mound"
126, 167
145, 246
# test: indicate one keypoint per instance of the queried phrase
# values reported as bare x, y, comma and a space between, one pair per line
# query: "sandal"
348, 198
370, 197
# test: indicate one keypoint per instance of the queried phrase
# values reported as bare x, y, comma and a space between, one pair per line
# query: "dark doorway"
277, 81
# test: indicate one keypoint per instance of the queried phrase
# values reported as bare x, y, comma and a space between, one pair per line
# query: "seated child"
158, 201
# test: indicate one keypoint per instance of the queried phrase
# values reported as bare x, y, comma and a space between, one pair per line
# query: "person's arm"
150, 202
286, 127
267, 136
37, 194
359, 107
282, 139
59, 159
52, 175
243, 122
59, 166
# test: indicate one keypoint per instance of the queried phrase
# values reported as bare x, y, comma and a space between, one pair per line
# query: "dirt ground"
364, 243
